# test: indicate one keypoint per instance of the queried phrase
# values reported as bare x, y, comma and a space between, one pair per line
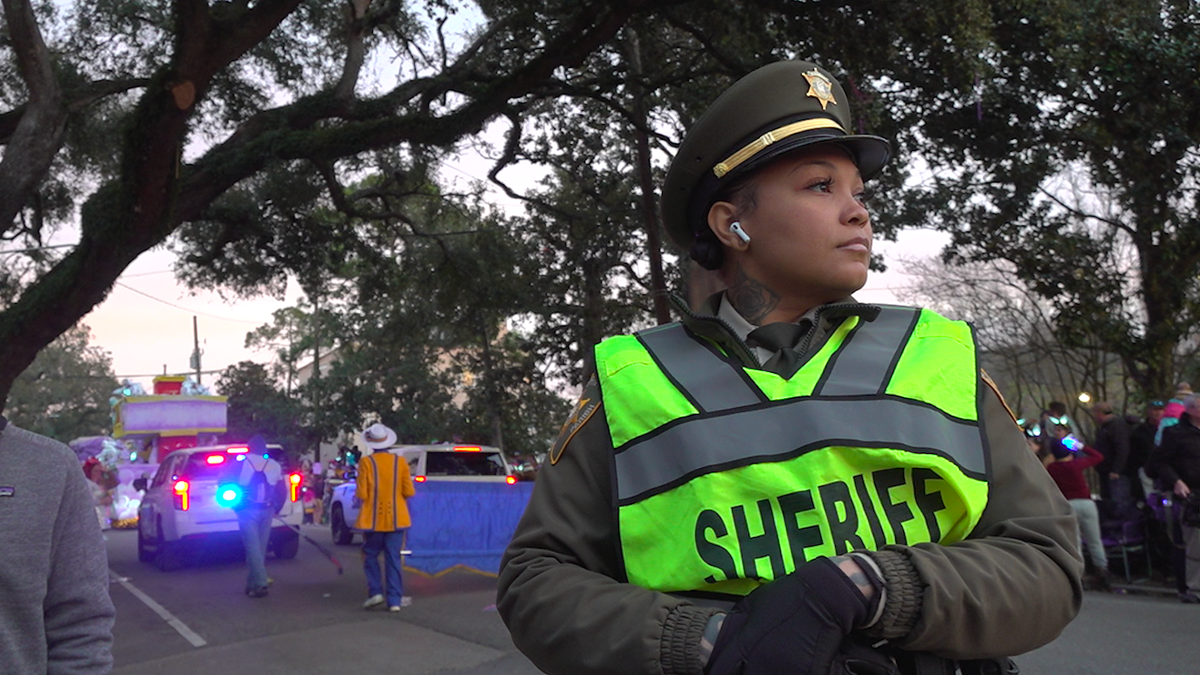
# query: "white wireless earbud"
736, 228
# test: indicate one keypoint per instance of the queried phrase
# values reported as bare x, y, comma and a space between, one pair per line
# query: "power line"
145, 274
187, 310
183, 374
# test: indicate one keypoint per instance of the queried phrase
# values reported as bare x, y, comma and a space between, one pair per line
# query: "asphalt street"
312, 621
197, 620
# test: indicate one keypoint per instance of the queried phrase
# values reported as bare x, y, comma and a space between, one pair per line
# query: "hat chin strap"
759, 144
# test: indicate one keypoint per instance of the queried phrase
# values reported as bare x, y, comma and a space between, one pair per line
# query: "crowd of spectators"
1134, 483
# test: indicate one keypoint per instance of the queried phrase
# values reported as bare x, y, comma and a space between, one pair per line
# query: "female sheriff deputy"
788, 481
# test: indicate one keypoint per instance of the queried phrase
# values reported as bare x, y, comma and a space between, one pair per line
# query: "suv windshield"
464, 464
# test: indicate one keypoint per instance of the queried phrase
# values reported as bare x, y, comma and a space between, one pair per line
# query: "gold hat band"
757, 145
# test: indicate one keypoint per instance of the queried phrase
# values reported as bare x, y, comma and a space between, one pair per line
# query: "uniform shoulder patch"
987, 379
589, 402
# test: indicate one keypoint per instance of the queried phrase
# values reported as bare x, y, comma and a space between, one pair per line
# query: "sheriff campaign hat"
778, 108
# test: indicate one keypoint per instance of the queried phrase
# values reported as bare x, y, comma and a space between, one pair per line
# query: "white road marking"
179, 626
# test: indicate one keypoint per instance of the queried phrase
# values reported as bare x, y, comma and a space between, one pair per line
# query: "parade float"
146, 429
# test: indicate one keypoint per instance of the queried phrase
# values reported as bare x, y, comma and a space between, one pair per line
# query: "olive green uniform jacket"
1011, 587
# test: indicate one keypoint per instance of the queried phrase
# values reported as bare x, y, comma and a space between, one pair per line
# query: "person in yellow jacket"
787, 481
383, 488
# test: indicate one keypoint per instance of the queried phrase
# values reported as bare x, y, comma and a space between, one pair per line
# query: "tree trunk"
490, 390
39, 134
154, 194
649, 203
135, 212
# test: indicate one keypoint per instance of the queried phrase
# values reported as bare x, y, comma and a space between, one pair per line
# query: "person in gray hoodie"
56, 615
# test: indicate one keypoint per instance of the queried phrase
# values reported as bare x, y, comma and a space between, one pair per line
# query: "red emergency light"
467, 448
215, 459
181, 490
294, 486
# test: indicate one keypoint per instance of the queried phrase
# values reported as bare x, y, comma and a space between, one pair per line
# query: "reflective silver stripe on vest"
711, 382
698, 445
864, 364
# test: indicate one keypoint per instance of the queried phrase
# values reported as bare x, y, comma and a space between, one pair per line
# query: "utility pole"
196, 348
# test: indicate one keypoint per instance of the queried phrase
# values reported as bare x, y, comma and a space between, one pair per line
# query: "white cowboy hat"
378, 437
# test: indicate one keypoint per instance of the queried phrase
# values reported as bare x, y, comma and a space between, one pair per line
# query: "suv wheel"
287, 545
169, 554
144, 555
342, 535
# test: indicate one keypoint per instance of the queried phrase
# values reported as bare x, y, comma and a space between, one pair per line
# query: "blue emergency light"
229, 495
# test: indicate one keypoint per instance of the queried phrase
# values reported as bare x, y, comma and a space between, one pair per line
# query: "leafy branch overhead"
212, 70
300, 139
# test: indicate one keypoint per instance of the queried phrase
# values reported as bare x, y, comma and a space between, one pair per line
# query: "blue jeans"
255, 523
389, 543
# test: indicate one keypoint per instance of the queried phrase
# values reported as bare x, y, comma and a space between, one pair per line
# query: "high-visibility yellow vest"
728, 477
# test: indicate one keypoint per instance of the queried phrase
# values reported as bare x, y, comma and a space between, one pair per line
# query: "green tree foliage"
294, 336
64, 393
258, 85
415, 296
257, 406
1058, 136
1064, 141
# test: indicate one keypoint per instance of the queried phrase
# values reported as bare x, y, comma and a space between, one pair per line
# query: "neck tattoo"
751, 298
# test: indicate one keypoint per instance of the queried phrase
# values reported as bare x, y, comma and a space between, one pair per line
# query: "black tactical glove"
793, 625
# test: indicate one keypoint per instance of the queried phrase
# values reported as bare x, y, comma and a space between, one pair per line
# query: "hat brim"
870, 153
388, 441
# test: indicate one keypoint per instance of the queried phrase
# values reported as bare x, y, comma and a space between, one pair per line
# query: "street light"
1084, 397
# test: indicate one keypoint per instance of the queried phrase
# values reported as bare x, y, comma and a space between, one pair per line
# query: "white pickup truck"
439, 462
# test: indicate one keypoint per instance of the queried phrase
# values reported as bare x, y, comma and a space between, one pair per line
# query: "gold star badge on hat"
819, 87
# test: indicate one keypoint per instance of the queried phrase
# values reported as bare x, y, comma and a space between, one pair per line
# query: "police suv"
190, 501
436, 462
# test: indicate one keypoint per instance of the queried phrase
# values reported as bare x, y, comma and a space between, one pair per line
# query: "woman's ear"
722, 217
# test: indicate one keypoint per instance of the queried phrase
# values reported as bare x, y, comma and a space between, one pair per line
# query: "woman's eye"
822, 185
863, 197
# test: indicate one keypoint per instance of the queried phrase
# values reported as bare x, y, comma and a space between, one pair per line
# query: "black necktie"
781, 339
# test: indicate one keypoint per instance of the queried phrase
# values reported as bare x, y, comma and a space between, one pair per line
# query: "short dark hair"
706, 249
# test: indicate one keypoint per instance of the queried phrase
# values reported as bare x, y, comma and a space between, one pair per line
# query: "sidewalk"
1144, 578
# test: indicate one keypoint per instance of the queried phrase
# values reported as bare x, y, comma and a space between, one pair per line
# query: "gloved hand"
793, 625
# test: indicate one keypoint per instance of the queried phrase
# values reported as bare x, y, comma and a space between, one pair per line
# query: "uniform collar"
741, 327
708, 321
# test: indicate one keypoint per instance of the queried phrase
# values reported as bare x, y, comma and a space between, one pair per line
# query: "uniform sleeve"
364, 482
1012, 585
559, 590
406, 484
78, 610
